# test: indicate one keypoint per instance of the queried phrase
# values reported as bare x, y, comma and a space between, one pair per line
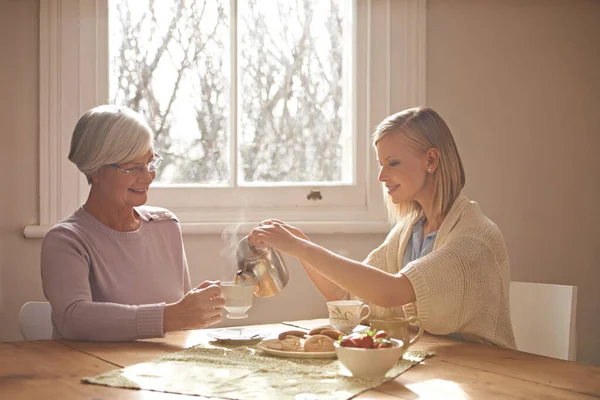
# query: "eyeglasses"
152, 166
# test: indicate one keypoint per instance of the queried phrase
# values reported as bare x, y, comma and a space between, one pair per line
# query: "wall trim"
310, 228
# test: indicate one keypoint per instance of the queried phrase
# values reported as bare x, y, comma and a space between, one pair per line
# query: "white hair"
108, 134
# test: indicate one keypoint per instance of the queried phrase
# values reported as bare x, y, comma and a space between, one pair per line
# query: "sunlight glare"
196, 337
438, 389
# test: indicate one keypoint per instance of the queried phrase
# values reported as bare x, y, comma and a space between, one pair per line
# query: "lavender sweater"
108, 285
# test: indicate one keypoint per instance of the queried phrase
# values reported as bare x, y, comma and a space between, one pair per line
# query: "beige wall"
516, 81
519, 83
19, 89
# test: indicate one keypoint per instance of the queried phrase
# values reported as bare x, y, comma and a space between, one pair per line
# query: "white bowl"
369, 363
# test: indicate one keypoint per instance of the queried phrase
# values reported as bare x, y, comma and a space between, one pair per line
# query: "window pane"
170, 61
291, 103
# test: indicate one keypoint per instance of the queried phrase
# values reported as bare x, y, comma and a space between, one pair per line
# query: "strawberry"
381, 334
367, 342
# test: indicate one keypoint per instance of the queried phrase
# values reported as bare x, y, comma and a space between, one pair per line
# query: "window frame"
74, 64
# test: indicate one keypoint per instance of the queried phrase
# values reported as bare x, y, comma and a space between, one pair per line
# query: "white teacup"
238, 299
345, 315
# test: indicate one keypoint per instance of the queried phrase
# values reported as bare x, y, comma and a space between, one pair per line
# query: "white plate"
235, 335
295, 354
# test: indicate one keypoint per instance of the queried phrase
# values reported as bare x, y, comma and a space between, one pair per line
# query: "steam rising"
231, 237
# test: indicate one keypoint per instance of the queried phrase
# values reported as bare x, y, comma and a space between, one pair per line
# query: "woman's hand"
292, 229
279, 235
199, 308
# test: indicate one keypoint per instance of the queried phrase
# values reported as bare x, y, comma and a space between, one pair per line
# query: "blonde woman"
116, 269
443, 260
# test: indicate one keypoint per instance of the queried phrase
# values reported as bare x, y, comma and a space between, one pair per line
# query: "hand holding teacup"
198, 308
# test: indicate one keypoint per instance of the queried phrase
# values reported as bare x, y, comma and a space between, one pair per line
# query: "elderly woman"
443, 261
115, 269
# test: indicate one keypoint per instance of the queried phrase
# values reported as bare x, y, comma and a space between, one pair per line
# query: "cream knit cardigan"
462, 285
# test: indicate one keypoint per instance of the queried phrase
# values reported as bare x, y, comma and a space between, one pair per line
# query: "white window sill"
212, 228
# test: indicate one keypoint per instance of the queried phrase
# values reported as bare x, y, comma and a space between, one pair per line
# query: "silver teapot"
263, 266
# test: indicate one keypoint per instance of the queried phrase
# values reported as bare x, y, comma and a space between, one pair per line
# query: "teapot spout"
246, 277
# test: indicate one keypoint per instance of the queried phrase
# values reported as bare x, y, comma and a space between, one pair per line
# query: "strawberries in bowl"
370, 354
367, 340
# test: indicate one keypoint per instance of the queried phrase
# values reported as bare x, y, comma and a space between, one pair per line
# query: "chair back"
35, 320
543, 318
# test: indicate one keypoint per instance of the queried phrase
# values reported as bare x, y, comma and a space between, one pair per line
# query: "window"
260, 109
241, 94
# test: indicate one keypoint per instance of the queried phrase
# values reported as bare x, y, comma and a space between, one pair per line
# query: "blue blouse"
418, 247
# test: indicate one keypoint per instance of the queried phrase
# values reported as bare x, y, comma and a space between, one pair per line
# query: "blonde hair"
422, 128
108, 134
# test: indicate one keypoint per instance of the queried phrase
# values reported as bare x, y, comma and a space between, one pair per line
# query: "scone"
317, 331
292, 343
319, 343
275, 344
332, 333
285, 334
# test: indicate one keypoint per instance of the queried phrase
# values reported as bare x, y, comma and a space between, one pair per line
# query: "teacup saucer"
236, 335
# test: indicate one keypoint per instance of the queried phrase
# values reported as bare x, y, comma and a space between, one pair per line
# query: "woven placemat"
243, 372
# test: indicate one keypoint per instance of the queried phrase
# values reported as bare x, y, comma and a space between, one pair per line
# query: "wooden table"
459, 370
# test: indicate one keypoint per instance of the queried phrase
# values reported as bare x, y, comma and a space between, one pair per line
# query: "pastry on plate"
283, 335
319, 343
292, 343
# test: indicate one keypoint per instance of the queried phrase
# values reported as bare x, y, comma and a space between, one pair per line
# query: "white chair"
35, 322
543, 318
